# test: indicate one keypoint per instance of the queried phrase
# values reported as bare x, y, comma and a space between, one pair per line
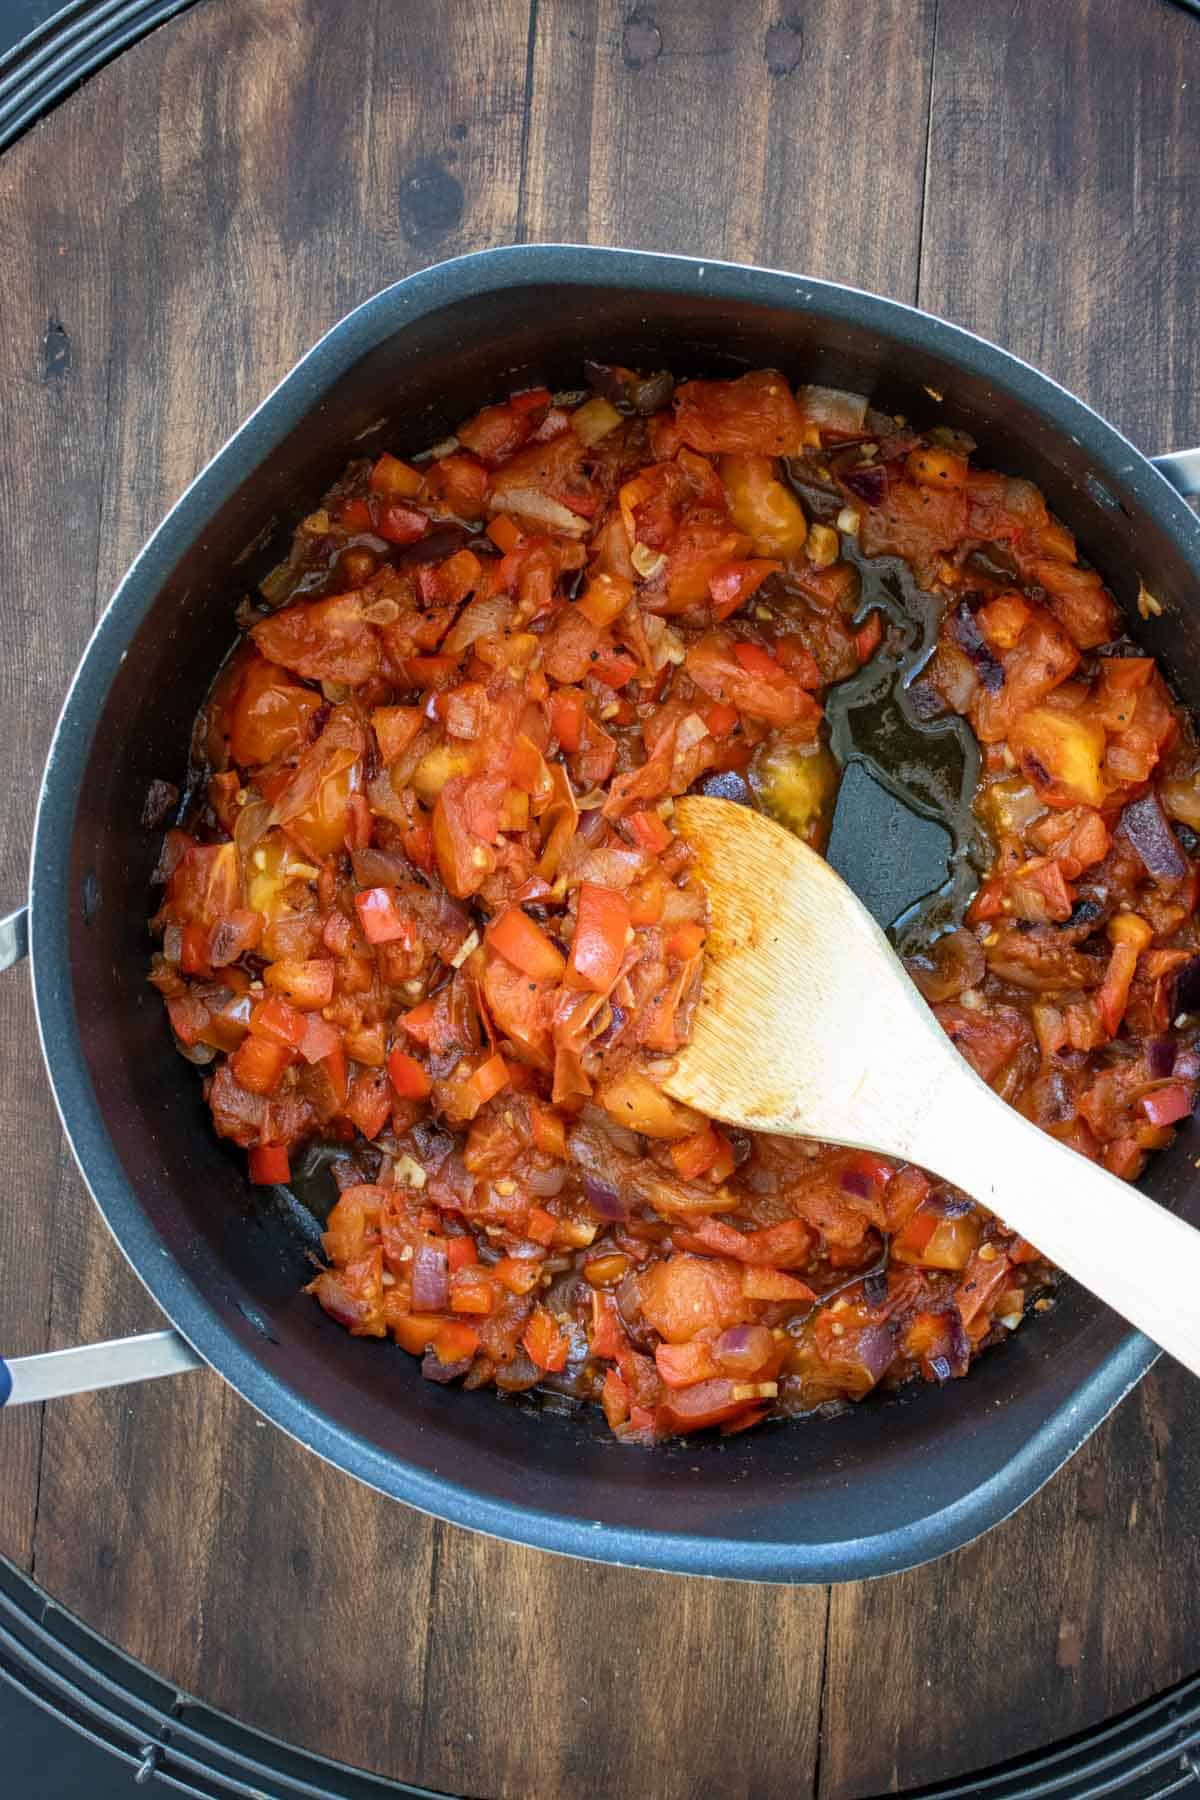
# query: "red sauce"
429, 910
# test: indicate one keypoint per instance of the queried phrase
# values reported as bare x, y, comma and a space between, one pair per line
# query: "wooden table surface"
174, 235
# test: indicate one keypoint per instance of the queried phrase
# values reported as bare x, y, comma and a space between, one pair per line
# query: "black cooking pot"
888, 1484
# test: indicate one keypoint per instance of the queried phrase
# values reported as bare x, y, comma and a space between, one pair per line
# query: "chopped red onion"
430, 1280
874, 1349
1149, 831
604, 1200
546, 1183
743, 1349
867, 482
435, 1370
614, 1028
1160, 1058
856, 1182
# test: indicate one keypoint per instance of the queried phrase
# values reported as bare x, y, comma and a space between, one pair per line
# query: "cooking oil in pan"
888, 796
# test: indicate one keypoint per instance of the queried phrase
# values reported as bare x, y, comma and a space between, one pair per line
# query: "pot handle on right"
1182, 470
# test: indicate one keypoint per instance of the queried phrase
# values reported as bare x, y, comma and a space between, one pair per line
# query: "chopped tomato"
430, 897
601, 932
524, 944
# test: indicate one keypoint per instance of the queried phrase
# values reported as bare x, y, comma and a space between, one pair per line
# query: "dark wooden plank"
1085, 117
637, 1683
170, 1518
617, 153
55, 301
750, 132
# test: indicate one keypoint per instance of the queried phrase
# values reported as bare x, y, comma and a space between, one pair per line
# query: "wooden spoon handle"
1141, 1259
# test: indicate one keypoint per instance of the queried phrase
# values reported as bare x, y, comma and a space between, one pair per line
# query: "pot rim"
376, 319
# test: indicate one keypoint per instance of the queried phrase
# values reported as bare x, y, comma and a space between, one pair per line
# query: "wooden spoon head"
808, 1024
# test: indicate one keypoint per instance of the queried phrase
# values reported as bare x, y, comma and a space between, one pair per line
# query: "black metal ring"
167, 1737
68, 47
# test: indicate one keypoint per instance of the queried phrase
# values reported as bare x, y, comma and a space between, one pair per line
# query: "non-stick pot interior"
231, 1260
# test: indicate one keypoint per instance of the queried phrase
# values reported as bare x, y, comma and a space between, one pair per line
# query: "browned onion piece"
605, 1201
436, 546
433, 1369
430, 1280
380, 868
949, 967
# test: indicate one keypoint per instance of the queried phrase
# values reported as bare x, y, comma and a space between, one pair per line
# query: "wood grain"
1087, 1600
195, 216
55, 300
169, 1516
584, 1680
737, 131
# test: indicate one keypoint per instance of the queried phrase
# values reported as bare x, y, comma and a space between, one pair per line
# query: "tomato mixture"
426, 920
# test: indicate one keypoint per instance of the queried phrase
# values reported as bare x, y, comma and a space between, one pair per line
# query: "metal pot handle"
1182, 470
86, 1367
25, 1379
90, 1366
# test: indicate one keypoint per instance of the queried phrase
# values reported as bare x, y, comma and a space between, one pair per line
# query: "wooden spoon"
809, 1026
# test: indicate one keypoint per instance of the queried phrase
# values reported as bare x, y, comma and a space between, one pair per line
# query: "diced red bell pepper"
649, 831
614, 668
540, 1225
866, 638
719, 718
419, 1022
568, 707
1167, 1105
686, 940
394, 479
409, 1077
733, 583
401, 524
614, 1398
257, 1064
461, 1253
544, 1343
606, 1337
757, 661
369, 1102
504, 532
381, 918
694, 1156
418, 847
269, 1164
489, 1078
